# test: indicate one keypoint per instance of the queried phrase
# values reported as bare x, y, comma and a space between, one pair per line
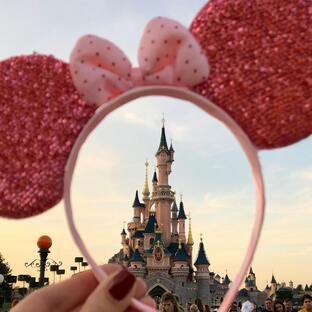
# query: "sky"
209, 170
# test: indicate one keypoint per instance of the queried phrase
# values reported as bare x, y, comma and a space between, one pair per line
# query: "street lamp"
44, 243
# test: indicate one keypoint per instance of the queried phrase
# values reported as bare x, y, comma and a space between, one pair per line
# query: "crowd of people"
169, 303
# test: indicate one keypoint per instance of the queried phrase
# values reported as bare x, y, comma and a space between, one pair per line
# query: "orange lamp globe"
44, 242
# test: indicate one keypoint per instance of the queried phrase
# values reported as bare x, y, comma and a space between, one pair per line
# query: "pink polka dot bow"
168, 55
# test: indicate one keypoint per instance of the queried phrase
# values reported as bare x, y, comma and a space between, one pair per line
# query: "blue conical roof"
163, 143
181, 214
150, 226
226, 280
181, 254
174, 207
155, 180
136, 202
201, 258
136, 257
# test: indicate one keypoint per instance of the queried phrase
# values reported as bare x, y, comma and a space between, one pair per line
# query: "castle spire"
201, 258
146, 191
163, 146
190, 240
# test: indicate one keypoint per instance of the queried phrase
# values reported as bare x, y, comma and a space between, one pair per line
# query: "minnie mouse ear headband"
259, 86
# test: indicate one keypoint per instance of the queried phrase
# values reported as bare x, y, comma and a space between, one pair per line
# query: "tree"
299, 287
306, 288
283, 294
5, 287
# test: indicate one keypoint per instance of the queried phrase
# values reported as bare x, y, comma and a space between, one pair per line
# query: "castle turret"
273, 286
181, 221
202, 274
123, 235
138, 208
174, 222
137, 265
149, 231
226, 281
155, 181
171, 150
250, 282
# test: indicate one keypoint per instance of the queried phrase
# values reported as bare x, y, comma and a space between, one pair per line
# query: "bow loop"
100, 70
168, 55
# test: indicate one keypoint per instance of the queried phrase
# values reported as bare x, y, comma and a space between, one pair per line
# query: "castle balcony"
163, 192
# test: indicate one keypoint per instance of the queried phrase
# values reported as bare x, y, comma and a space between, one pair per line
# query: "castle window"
182, 284
151, 241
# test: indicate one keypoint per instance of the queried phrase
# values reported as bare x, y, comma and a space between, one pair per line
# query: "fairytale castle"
156, 247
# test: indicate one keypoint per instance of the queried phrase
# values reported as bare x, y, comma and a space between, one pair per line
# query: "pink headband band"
211, 109
257, 86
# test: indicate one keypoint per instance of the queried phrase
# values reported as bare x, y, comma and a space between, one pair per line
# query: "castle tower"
190, 241
164, 197
273, 286
181, 221
174, 222
149, 231
202, 275
250, 281
137, 265
136, 208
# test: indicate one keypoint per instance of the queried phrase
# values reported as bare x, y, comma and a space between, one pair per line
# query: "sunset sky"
209, 170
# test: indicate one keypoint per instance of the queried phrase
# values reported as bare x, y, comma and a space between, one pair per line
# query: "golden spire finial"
190, 240
146, 191
163, 120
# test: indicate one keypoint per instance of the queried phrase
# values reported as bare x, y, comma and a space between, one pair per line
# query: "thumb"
113, 294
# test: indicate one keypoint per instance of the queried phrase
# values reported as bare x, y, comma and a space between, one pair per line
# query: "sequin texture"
260, 54
41, 114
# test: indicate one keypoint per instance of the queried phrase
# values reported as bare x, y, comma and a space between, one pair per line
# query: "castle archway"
156, 292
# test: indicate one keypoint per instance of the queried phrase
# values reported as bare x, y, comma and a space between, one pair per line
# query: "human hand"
83, 293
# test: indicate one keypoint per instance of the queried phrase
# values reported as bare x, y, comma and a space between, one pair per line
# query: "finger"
146, 300
114, 294
58, 297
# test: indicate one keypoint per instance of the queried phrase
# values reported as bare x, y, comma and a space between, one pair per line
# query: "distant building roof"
123, 232
273, 280
226, 280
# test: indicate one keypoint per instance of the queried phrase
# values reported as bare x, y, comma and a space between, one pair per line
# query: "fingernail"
122, 284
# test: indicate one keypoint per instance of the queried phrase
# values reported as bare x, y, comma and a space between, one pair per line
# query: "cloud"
305, 174
136, 119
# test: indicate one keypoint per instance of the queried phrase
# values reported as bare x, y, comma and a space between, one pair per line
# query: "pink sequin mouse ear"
41, 114
260, 56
